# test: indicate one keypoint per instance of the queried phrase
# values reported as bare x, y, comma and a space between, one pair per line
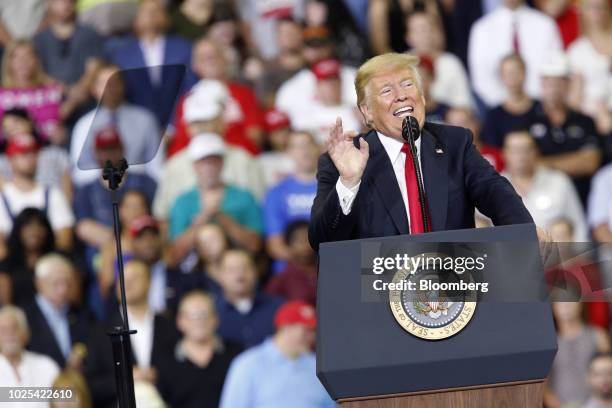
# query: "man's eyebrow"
381, 86
389, 83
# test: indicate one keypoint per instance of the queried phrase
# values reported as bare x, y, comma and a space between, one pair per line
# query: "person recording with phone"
404, 176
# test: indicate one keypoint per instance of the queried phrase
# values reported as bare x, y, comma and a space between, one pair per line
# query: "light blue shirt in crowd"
58, 322
600, 198
263, 377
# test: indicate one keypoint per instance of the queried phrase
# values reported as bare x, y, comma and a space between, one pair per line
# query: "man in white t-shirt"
299, 92
23, 191
548, 194
327, 105
18, 367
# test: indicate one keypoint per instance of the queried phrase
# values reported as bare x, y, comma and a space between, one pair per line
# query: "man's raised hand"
348, 159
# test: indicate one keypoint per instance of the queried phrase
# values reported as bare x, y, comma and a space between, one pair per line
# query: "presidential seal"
432, 304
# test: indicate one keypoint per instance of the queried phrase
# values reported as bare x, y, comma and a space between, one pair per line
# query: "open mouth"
403, 111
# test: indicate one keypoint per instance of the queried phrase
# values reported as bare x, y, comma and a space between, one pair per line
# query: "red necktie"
412, 189
516, 47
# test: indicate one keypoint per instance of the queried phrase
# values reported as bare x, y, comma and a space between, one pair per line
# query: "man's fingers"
335, 132
363, 145
339, 125
348, 136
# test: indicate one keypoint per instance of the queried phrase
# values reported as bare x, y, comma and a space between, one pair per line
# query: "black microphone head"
406, 129
410, 128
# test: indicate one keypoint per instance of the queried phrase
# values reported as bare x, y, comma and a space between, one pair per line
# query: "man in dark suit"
156, 336
59, 330
155, 87
367, 184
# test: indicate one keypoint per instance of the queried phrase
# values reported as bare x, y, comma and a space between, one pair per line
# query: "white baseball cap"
205, 101
555, 64
205, 145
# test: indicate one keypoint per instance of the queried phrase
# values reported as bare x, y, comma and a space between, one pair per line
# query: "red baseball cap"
326, 69
275, 120
138, 225
296, 312
108, 137
20, 144
427, 64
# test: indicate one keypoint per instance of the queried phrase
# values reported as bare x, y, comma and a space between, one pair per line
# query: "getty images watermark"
427, 262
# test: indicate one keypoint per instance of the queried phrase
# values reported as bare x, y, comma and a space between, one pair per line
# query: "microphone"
411, 131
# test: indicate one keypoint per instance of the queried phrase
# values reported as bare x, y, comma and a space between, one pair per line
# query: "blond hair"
17, 314
38, 76
71, 379
384, 64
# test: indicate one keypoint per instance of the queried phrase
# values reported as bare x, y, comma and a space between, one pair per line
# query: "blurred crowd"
222, 108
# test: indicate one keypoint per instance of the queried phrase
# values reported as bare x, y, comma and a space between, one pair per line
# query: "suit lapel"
435, 178
48, 332
382, 176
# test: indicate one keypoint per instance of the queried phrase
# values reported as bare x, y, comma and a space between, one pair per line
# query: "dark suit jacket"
456, 181
99, 367
42, 339
139, 89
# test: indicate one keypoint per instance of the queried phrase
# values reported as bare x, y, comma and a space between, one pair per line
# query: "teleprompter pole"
120, 335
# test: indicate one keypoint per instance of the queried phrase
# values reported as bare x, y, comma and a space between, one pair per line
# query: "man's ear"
367, 117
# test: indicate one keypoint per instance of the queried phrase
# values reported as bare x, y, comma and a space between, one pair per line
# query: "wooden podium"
501, 358
518, 394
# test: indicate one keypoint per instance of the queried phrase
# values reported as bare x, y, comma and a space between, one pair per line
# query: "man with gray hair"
61, 329
18, 367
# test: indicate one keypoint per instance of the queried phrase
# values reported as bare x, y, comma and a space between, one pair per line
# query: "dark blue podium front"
362, 351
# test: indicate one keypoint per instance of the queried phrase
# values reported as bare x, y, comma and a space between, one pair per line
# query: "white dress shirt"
34, 370
142, 341
393, 147
491, 40
153, 53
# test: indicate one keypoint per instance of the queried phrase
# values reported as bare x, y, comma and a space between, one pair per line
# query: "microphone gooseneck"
411, 131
